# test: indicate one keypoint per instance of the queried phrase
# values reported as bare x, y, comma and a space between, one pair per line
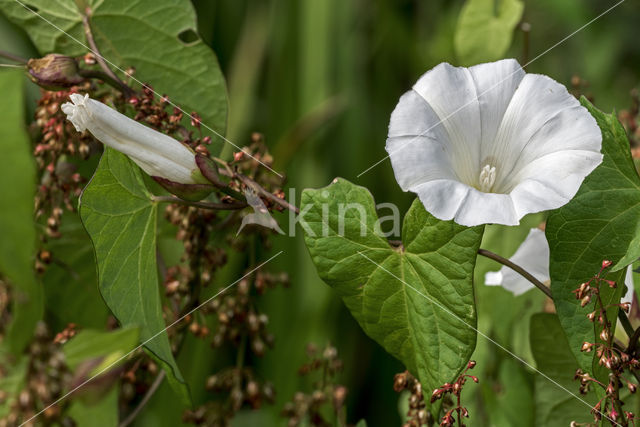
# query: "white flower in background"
490, 143
156, 153
533, 256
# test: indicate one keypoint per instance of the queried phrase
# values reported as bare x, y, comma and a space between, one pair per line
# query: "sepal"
189, 192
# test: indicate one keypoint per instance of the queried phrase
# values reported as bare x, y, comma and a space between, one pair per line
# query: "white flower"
533, 256
490, 143
156, 153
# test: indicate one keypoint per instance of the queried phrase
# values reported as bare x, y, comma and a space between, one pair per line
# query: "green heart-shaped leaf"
599, 223
554, 406
117, 211
416, 301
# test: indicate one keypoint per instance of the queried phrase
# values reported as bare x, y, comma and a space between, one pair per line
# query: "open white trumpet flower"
490, 143
156, 153
533, 256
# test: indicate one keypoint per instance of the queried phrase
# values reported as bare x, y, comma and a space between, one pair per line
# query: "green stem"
202, 205
12, 57
524, 273
277, 200
126, 90
154, 387
101, 75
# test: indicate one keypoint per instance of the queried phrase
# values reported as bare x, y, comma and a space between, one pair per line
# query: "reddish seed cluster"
238, 317
57, 150
312, 406
242, 388
200, 259
160, 115
417, 415
630, 119
456, 390
616, 360
47, 377
66, 334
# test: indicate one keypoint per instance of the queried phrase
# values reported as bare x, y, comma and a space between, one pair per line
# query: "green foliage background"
320, 79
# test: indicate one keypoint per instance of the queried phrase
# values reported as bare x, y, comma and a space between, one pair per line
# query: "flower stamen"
487, 178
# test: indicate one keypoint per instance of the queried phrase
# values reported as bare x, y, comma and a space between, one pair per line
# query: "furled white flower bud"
157, 154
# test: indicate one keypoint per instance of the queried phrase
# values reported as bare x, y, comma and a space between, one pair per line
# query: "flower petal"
571, 129
533, 256
496, 83
416, 160
449, 199
486, 208
552, 180
628, 281
536, 101
442, 197
451, 93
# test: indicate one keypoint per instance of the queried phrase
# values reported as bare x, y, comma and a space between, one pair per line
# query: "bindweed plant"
138, 256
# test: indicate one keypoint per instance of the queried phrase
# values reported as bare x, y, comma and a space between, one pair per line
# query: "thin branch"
624, 320
251, 183
202, 205
12, 57
524, 273
100, 75
154, 387
103, 64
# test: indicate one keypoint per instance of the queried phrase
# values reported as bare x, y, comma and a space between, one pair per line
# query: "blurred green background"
319, 78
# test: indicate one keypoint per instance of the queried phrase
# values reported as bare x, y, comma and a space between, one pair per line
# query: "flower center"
487, 178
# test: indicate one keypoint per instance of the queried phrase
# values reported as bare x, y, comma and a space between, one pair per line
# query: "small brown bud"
54, 71
237, 156
604, 335
400, 382
586, 347
339, 396
610, 390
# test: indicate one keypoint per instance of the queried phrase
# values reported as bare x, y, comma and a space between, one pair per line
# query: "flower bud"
54, 71
586, 347
604, 335
168, 161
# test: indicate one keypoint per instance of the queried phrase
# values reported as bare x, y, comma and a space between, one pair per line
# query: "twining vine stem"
202, 205
634, 335
127, 91
524, 273
12, 57
154, 387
